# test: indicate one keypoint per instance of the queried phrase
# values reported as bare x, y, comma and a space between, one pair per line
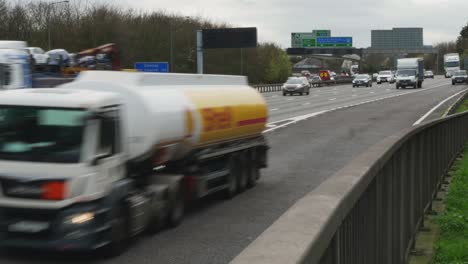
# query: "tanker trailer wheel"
244, 168
254, 171
120, 233
231, 178
177, 208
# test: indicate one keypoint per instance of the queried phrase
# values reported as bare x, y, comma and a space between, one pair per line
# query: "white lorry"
15, 68
410, 72
451, 64
94, 162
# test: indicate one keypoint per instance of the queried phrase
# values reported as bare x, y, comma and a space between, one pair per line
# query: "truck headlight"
79, 219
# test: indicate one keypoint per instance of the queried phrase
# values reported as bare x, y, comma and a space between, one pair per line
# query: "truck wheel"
120, 233
177, 208
231, 180
243, 175
254, 171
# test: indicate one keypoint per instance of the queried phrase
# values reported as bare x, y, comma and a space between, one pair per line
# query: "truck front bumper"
56, 231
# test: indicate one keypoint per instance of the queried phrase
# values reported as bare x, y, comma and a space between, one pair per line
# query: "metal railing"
267, 88
371, 210
277, 87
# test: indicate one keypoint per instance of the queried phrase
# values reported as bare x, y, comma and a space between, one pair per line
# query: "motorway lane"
302, 156
325, 98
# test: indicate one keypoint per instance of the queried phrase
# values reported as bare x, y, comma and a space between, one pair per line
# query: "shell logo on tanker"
217, 118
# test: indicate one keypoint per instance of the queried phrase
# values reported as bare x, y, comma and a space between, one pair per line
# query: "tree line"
140, 36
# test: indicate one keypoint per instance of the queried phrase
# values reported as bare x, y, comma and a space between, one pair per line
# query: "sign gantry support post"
199, 51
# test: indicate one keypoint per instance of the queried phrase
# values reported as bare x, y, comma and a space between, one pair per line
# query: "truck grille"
19, 189
10, 216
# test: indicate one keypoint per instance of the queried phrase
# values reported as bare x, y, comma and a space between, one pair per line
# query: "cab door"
110, 158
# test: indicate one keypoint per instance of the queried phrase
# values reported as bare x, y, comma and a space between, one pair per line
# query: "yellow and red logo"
324, 75
217, 118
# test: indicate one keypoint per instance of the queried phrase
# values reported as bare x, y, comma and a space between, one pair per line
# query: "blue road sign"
152, 66
334, 41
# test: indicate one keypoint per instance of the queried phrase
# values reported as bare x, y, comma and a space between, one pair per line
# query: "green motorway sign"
308, 43
322, 33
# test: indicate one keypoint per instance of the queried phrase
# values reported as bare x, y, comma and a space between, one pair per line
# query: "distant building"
397, 38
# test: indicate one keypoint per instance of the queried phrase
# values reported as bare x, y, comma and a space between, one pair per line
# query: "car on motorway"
385, 76
39, 55
428, 75
296, 85
374, 76
315, 80
362, 80
459, 77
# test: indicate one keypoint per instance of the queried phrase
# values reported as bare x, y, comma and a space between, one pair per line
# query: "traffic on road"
129, 148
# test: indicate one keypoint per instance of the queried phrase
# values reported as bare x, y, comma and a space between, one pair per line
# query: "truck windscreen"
406, 73
37, 134
452, 64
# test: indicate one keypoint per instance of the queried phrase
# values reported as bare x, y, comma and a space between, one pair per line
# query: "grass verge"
452, 245
462, 107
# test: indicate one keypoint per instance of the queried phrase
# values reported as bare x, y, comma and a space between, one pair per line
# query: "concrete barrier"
369, 211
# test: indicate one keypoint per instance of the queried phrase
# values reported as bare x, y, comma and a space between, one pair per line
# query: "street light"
48, 17
171, 63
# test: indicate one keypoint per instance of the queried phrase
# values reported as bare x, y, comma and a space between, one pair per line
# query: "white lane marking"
354, 95
388, 89
274, 96
332, 99
296, 119
372, 92
316, 95
306, 104
435, 108
318, 90
289, 99
274, 109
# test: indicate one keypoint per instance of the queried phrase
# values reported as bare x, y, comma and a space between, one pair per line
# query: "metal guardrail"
371, 210
267, 88
453, 108
277, 87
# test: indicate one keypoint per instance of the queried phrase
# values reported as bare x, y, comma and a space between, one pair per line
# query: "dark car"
362, 80
296, 85
459, 77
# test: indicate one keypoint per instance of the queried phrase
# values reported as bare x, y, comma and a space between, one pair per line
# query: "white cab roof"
56, 97
12, 44
160, 79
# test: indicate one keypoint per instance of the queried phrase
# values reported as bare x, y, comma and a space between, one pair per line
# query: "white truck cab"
451, 64
15, 70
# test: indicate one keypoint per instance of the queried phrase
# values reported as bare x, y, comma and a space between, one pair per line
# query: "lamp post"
48, 17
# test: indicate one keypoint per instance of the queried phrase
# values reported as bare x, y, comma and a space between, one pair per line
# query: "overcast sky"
276, 19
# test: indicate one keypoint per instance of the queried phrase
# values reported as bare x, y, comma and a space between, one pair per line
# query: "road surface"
343, 122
